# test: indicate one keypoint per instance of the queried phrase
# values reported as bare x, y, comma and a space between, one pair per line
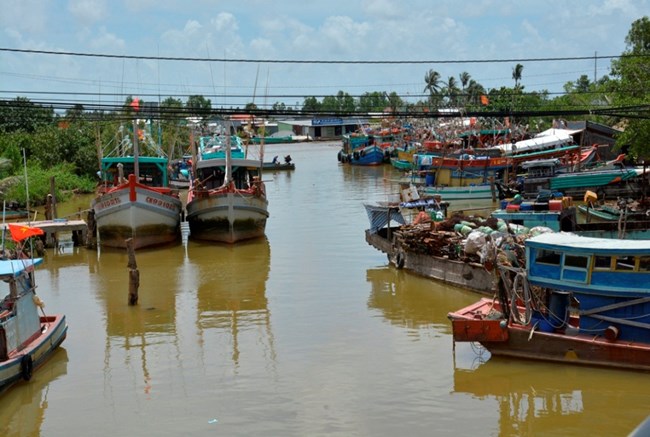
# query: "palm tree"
516, 74
432, 80
451, 90
464, 81
474, 91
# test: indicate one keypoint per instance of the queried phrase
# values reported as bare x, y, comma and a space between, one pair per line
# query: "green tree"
373, 102
345, 102
451, 91
21, 114
633, 71
516, 74
198, 106
311, 104
433, 81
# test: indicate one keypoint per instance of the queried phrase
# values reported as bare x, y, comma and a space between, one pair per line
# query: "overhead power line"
312, 61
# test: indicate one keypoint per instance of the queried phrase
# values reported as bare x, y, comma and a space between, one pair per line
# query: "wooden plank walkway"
56, 229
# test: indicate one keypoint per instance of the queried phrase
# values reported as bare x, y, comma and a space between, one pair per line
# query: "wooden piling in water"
134, 273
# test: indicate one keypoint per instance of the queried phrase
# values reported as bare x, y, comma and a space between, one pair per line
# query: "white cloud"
342, 35
88, 11
107, 42
225, 22
25, 15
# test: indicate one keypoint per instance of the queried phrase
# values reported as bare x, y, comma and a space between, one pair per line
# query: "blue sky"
393, 30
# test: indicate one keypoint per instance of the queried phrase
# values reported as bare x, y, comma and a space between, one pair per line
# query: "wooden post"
134, 274
53, 194
48, 207
492, 189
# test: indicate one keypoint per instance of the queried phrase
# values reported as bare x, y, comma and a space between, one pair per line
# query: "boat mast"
136, 151
228, 176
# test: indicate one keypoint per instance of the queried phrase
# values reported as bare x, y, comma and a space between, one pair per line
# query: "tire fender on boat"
26, 367
399, 260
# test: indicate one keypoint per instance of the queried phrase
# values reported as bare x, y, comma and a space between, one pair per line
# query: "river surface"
308, 332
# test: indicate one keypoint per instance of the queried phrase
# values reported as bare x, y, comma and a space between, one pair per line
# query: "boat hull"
270, 166
472, 276
53, 331
460, 193
502, 338
227, 217
145, 215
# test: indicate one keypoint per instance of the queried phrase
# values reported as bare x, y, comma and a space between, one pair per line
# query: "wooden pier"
59, 230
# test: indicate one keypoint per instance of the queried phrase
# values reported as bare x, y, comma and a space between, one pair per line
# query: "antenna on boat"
26, 185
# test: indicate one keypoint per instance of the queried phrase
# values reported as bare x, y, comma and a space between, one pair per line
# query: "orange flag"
20, 232
485, 100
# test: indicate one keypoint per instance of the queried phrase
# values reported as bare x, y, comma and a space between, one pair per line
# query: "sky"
421, 35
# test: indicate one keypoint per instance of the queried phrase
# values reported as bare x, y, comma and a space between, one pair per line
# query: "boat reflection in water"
231, 294
195, 303
554, 400
24, 406
411, 301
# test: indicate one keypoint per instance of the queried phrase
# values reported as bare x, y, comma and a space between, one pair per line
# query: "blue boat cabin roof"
572, 243
15, 267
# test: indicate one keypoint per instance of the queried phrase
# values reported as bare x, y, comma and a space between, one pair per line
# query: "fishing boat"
226, 201
134, 201
276, 165
423, 248
463, 177
272, 139
579, 300
360, 149
612, 178
27, 338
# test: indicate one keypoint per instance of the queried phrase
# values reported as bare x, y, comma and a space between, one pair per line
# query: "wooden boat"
612, 178
272, 140
135, 201
464, 177
276, 165
549, 141
360, 150
15, 214
580, 300
401, 164
445, 265
27, 339
226, 201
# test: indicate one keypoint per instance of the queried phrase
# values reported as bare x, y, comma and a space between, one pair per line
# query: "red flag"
485, 100
20, 232
135, 104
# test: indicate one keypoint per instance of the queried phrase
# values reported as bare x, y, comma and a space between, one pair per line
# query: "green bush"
38, 180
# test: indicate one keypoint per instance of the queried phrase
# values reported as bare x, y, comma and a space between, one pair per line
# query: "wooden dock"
59, 230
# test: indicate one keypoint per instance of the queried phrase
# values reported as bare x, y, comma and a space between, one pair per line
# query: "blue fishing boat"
579, 300
360, 149
27, 338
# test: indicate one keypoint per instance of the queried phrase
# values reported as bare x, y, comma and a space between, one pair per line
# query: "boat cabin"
211, 173
152, 170
610, 278
19, 318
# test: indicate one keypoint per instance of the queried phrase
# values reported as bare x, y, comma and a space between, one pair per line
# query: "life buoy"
26, 367
399, 260
340, 154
